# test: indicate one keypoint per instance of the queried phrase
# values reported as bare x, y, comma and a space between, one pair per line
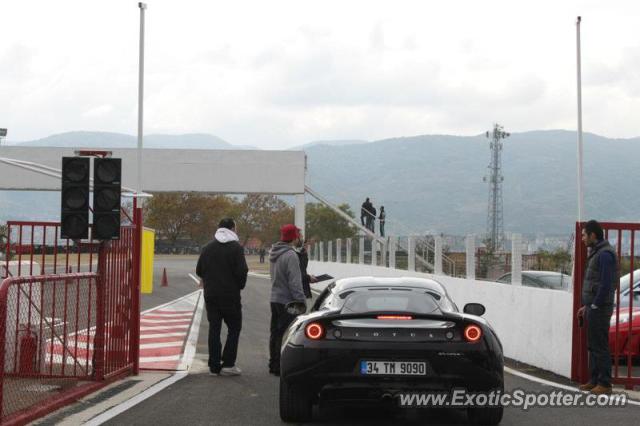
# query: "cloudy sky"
282, 73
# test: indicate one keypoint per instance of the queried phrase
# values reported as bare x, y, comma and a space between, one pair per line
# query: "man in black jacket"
364, 212
598, 300
303, 256
223, 269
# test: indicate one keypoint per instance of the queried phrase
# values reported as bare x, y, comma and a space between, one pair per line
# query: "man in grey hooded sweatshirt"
286, 287
223, 268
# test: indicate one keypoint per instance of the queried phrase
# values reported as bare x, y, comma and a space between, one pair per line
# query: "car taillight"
472, 333
314, 331
395, 317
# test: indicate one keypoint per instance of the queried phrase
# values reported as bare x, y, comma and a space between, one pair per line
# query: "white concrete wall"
205, 170
533, 324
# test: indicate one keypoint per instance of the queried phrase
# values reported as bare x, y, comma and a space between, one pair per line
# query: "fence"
66, 332
433, 254
411, 253
624, 332
45, 324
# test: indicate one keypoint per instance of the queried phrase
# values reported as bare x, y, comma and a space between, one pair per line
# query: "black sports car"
368, 340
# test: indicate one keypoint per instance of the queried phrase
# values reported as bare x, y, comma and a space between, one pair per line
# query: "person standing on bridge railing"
598, 298
365, 212
286, 287
382, 219
223, 268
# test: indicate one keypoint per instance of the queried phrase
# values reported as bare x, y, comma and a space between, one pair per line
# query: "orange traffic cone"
165, 281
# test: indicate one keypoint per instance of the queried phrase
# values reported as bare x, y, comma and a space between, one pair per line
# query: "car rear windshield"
390, 301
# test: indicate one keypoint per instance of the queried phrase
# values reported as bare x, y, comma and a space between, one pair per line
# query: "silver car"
541, 279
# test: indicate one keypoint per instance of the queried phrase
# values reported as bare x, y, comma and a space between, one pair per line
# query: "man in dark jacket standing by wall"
286, 286
223, 269
598, 297
303, 257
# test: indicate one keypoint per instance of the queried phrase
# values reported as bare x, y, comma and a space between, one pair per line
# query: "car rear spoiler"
374, 315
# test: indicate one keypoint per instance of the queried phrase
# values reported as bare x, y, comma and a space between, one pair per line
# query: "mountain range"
121, 140
429, 183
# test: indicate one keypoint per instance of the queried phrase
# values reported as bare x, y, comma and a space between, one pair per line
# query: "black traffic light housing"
74, 216
107, 174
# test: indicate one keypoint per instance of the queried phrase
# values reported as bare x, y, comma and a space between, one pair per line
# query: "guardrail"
47, 346
412, 253
66, 334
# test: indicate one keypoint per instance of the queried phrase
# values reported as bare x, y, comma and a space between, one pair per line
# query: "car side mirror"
296, 308
474, 309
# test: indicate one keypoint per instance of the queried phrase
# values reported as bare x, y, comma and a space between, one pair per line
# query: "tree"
207, 212
324, 224
195, 216
486, 258
557, 260
188, 215
260, 216
4, 230
171, 213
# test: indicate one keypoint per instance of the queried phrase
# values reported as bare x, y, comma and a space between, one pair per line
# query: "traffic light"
74, 217
106, 198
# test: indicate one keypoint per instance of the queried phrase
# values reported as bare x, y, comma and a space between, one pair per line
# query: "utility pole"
579, 82
142, 7
495, 231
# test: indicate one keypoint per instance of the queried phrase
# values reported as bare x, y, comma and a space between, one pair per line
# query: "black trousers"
280, 321
232, 317
598, 344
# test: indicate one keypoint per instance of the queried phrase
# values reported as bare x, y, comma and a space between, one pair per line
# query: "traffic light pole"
135, 291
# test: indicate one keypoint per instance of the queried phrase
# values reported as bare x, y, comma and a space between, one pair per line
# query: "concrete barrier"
533, 324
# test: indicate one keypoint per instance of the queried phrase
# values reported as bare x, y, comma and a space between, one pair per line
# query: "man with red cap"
286, 287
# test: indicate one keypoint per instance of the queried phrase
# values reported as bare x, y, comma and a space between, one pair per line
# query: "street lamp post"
142, 7
579, 81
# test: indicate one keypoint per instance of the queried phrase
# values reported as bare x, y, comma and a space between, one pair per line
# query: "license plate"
396, 368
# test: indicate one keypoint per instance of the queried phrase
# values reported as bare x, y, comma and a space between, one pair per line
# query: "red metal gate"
68, 310
624, 333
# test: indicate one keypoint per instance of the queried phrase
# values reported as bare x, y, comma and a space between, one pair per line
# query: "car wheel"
485, 416
295, 403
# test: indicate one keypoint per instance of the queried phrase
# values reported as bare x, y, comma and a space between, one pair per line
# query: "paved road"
252, 399
178, 268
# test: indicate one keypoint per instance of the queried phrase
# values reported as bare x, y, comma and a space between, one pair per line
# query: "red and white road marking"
165, 331
168, 335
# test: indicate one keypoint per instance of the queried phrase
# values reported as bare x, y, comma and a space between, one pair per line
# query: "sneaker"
230, 371
586, 387
601, 390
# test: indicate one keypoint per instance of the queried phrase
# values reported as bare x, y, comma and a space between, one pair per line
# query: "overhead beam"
170, 170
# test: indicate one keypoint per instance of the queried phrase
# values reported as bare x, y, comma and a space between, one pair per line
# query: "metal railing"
396, 252
64, 328
46, 342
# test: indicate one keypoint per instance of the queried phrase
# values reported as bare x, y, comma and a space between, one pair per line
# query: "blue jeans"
598, 344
